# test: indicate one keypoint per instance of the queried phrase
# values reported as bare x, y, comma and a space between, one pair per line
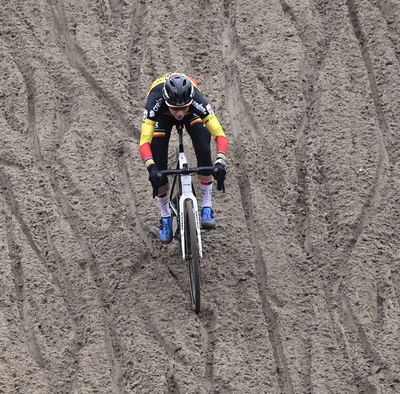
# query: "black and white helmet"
178, 91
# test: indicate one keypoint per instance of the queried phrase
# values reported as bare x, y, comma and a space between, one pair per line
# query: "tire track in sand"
236, 106
374, 198
17, 267
77, 61
136, 48
111, 338
348, 320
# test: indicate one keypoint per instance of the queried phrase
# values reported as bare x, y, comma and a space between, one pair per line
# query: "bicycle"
183, 203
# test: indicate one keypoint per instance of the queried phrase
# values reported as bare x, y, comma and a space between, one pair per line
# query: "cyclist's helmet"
178, 91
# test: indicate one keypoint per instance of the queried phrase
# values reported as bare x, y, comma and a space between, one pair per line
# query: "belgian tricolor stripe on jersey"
197, 120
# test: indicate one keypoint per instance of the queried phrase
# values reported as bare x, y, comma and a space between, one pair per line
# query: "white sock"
163, 201
206, 191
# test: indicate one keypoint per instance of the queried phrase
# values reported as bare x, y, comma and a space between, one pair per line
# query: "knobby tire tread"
192, 250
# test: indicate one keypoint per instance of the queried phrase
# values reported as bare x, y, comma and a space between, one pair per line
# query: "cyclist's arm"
215, 128
153, 105
146, 136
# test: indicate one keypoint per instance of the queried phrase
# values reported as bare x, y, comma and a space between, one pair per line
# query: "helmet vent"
178, 90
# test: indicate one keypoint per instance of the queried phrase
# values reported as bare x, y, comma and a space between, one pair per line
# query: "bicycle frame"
183, 203
183, 180
185, 192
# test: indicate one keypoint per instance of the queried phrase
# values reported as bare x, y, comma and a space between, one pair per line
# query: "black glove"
153, 178
219, 173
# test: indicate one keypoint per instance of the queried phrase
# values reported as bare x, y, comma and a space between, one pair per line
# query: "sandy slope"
301, 278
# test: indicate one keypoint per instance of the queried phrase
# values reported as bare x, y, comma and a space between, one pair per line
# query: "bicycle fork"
187, 194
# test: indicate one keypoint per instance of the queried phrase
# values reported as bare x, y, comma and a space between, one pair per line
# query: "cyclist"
176, 99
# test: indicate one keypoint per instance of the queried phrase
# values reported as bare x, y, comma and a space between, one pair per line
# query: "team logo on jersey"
157, 105
152, 114
209, 109
199, 107
145, 115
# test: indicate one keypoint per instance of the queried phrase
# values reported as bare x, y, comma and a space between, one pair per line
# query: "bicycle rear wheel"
192, 255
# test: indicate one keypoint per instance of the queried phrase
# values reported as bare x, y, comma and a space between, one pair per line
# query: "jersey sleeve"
146, 136
152, 106
215, 129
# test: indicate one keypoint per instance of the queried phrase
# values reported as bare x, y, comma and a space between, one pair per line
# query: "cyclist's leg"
201, 138
159, 148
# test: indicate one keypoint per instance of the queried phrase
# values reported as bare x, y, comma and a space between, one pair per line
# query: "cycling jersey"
157, 108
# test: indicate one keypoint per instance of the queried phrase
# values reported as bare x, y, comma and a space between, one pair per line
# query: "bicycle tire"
192, 255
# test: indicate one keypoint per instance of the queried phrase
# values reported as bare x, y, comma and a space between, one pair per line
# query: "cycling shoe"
165, 231
207, 218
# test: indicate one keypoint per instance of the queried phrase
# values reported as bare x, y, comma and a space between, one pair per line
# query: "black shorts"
199, 135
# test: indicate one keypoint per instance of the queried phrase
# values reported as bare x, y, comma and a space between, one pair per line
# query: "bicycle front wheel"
192, 254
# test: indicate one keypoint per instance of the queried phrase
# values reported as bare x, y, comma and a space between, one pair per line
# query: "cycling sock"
163, 201
206, 191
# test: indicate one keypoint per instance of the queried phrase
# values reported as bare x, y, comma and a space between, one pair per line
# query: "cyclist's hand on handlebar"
219, 173
154, 178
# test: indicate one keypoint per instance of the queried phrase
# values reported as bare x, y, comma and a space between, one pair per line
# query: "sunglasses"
178, 108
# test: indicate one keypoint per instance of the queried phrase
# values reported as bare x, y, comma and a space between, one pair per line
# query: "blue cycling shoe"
207, 218
165, 231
